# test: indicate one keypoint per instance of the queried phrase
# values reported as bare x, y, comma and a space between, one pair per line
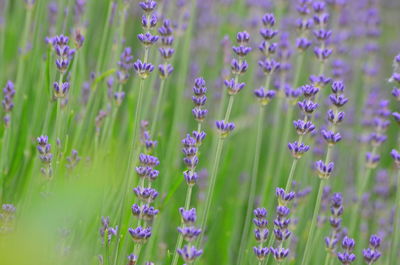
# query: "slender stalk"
180, 237
395, 242
363, 186
253, 182
313, 223
158, 106
211, 185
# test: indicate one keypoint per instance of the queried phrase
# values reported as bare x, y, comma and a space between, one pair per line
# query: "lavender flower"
8, 102
347, 257
73, 159
224, 128
45, 155
107, 232
7, 217
372, 254
261, 233
199, 99
335, 222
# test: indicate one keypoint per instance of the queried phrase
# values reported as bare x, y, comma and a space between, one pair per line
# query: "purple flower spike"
268, 66
309, 91
330, 137
347, 257
268, 20
190, 177
132, 259
283, 196
303, 44
189, 233
143, 69
263, 95
322, 54
165, 70
233, 87
60, 89
148, 6
396, 157
297, 149
8, 101
243, 37
140, 235
261, 252
303, 127
149, 22
238, 67
188, 216
372, 160
189, 253
147, 39
279, 253
319, 81
307, 106
324, 171
224, 128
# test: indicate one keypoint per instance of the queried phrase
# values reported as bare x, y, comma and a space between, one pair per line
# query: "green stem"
158, 106
254, 174
313, 223
211, 185
395, 243
229, 109
180, 237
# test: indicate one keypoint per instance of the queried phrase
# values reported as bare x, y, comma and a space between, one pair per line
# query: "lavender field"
199, 132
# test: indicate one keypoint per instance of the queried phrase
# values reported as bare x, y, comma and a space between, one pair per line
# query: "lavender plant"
90, 164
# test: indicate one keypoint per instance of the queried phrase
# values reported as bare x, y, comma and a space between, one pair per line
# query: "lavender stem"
253, 182
395, 243
313, 222
158, 105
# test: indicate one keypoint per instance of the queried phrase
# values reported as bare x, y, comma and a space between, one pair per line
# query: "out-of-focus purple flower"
263, 95
323, 170
107, 232
73, 159
8, 101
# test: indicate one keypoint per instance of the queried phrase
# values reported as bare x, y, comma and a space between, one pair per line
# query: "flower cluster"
199, 99
73, 159
145, 193
376, 138
304, 24
64, 57
7, 216
149, 21
261, 233
335, 221
166, 51
189, 232
372, 254
281, 224
8, 102
45, 155
124, 66
304, 126
268, 65
347, 257
321, 33
106, 231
